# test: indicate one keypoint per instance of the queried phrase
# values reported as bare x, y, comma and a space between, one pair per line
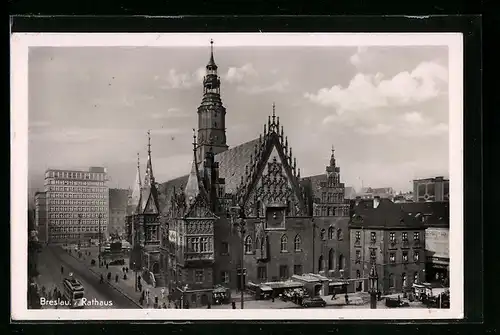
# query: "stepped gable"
386, 215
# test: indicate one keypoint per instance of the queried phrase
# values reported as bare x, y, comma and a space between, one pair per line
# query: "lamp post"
373, 277
100, 240
240, 227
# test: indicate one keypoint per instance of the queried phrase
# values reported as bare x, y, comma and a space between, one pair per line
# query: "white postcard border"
20, 44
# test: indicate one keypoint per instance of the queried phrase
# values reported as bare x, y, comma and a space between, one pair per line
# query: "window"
358, 236
405, 256
415, 277
283, 271
262, 272
403, 279
391, 280
416, 236
198, 276
225, 277
405, 237
358, 257
340, 236
323, 234
330, 233
323, 197
392, 257
284, 242
297, 243
331, 259
373, 236
416, 256
248, 245
320, 264
392, 237
297, 269
373, 256
341, 262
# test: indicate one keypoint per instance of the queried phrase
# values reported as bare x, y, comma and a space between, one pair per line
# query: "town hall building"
244, 214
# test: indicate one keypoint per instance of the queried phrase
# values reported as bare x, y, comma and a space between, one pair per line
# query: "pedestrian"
107, 267
126, 269
333, 296
125, 276
346, 299
162, 293
123, 269
109, 276
233, 304
116, 278
379, 295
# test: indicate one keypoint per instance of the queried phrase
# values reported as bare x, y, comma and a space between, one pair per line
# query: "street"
97, 294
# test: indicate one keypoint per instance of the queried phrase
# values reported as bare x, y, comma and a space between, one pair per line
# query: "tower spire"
149, 177
211, 62
332, 157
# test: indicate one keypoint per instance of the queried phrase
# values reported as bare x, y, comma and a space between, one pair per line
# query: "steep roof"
232, 164
437, 212
386, 215
118, 198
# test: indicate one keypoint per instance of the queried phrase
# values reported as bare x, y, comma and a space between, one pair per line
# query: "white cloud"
359, 56
176, 80
364, 92
279, 86
239, 74
414, 117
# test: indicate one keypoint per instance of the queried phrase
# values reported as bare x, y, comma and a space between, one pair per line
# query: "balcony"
199, 258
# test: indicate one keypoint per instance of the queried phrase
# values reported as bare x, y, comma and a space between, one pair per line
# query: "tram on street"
73, 292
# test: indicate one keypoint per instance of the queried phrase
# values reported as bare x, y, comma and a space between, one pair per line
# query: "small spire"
282, 132
286, 142
298, 173
274, 111
265, 130
333, 150
212, 61
149, 142
138, 161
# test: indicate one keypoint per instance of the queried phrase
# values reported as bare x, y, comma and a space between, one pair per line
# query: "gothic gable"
199, 209
272, 183
150, 207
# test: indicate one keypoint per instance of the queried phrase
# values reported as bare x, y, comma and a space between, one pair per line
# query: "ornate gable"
272, 178
150, 206
200, 209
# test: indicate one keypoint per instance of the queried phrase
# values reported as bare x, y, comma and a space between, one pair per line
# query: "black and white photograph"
237, 176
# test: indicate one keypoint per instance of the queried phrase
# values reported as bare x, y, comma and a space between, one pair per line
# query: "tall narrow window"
248, 244
284, 242
331, 255
330, 233
297, 243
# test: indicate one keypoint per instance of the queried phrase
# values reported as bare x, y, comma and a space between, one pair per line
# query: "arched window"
331, 259
284, 242
297, 243
341, 262
330, 233
340, 236
323, 234
415, 277
257, 243
248, 244
320, 263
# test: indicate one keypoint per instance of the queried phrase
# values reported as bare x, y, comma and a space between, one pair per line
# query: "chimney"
376, 201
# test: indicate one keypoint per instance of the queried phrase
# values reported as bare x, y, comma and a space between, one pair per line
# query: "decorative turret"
135, 197
149, 197
211, 113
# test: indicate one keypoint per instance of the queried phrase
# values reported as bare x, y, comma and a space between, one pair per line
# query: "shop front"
221, 295
314, 284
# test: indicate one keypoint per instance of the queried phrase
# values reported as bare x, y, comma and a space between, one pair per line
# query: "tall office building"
41, 223
77, 204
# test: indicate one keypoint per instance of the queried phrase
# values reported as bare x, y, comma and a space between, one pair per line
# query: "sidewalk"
355, 299
124, 286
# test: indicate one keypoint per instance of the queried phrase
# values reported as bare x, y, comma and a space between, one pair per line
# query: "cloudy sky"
385, 109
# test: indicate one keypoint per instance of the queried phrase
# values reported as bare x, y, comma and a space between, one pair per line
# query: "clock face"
275, 218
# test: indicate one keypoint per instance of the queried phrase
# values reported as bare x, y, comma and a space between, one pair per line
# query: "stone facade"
381, 234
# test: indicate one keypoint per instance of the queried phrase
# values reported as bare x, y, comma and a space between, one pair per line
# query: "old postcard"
236, 176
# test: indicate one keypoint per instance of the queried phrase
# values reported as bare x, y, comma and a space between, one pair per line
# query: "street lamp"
100, 240
240, 226
373, 277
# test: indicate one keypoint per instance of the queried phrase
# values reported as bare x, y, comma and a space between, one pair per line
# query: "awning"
337, 283
266, 288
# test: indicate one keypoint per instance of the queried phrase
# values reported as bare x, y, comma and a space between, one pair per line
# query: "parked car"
313, 302
117, 262
394, 303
